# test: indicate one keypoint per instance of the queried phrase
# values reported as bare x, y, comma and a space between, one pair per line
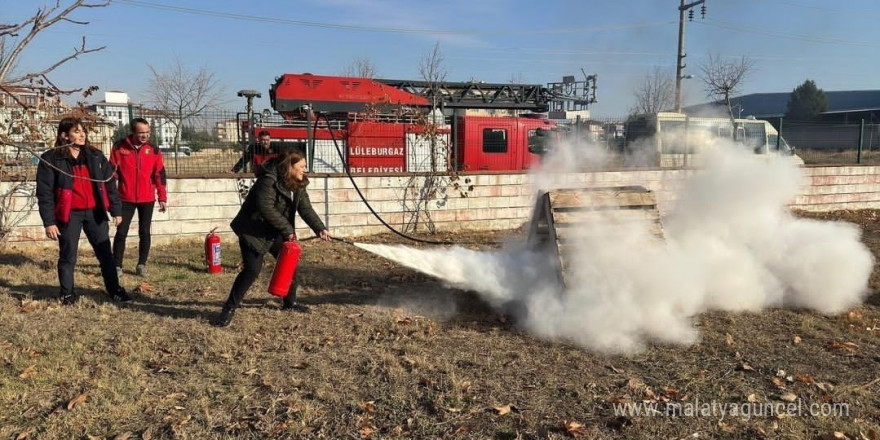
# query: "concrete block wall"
837, 188
495, 202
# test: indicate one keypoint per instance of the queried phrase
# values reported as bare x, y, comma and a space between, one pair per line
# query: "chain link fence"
212, 143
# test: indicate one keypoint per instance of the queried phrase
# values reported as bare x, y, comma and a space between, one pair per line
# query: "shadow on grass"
174, 309
17, 259
873, 299
330, 285
50, 292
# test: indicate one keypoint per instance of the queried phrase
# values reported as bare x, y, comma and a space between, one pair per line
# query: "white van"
673, 138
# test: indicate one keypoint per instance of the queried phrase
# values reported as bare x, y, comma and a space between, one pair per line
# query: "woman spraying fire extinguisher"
266, 221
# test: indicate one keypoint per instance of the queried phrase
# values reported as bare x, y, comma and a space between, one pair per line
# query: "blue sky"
248, 43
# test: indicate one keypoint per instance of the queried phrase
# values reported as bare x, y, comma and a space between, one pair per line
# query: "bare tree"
361, 68
28, 100
181, 95
656, 93
724, 78
421, 190
14, 38
433, 71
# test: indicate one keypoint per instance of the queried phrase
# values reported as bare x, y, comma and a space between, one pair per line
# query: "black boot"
69, 299
291, 305
120, 296
224, 318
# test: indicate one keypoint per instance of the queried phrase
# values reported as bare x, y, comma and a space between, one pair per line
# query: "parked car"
181, 151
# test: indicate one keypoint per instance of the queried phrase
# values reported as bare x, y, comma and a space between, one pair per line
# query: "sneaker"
118, 271
69, 299
224, 318
141, 270
295, 307
120, 296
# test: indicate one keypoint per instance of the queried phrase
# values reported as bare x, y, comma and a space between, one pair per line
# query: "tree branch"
76, 53
41, 20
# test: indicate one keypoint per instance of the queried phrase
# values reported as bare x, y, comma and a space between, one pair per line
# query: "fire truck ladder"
477, 95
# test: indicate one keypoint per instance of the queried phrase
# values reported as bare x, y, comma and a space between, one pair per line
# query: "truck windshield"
539, 140
783, 146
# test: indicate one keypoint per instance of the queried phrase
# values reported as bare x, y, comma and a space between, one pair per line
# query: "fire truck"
376, 126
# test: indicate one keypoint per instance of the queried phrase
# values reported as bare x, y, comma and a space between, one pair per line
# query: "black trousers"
252, 265
145, 219
97, 230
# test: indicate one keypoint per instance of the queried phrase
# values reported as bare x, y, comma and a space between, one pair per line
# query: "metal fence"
833, 143
213, 142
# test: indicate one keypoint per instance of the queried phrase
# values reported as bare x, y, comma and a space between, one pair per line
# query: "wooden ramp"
563, 218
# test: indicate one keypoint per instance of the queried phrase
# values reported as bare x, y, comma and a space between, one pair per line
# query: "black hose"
343, 240
360, 194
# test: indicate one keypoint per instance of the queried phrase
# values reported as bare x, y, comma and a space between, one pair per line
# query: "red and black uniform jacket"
141, 172
256, 155
55, 184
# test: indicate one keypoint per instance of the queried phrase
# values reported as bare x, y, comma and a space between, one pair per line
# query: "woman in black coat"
75, 190
265, 221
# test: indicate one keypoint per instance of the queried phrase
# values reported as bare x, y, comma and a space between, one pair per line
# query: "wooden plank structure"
565, 217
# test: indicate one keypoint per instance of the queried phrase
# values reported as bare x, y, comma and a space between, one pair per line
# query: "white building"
119, 110
28, 122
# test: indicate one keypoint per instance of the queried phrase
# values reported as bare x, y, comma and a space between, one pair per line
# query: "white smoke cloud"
730, 244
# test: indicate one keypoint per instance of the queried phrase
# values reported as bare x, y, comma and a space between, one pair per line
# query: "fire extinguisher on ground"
285, 268
212, 252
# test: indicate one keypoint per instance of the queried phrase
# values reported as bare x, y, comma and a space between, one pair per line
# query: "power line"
325, 25
801, 37
836, 10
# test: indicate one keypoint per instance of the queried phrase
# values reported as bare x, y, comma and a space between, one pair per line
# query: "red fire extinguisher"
212, 252
285, 268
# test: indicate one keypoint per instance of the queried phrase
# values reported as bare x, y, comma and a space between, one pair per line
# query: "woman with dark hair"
266, 220
75, 190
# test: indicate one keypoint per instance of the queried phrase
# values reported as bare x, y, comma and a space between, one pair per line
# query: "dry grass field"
388, 353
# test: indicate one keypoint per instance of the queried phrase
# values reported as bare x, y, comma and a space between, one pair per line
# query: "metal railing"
833, 143
212, 143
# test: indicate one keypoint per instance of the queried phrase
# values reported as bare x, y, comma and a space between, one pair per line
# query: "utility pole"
679, 61
250, 95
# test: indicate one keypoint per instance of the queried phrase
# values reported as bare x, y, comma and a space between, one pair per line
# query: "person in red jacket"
254, 159
141, 174
75, 190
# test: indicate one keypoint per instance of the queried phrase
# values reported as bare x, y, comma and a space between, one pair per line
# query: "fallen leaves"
143, 287
368, 407
574, 429
177, 428
788, 397
836, 344
28, 372
745, 367
504, 409
76, 401
778, 380
804, 378
29, 306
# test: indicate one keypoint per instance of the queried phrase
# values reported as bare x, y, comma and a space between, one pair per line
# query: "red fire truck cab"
498, 143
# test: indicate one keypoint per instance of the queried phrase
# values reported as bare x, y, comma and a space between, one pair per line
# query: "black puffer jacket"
55, 184
270, 209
